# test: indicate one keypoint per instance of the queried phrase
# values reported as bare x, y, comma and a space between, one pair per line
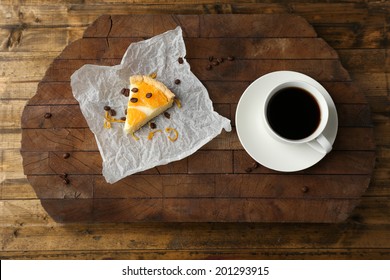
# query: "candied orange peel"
153, 75
177, 102
108, 120
169, 130
134, 137
151, 134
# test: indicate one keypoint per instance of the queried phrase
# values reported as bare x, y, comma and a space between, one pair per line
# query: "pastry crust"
148, 98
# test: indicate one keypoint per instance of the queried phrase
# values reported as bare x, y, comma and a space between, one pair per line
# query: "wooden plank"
42, 163
22, 91
16, 188
135, 186
11, 164
166, 235
285, 25
60, 116
61, 70
259, 48
237, 70
195, 210
370, 84
211, 162
354, 60
336, 162
80, 139
290, 186
332, 12
215, 254
30, 212
220, 92
154, 236
10, 112
352, 35
10, 138
32, 40
58, 139
244, 48
13, 73
42, 13
253, 25
123, 26
53, 93
192, 186
114, 210
256, 210
190, 236
51, 187
249, 70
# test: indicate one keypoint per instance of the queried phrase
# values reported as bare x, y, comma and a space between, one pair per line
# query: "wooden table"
219, 183
360, 39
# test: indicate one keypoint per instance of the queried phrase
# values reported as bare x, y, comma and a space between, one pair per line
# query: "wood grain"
46, 139
35, 32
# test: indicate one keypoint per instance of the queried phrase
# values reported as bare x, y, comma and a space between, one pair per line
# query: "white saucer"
259, 144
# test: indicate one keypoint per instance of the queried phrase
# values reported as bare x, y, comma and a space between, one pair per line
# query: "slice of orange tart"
147, 99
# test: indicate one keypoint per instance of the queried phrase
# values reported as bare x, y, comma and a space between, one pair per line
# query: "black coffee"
293, 113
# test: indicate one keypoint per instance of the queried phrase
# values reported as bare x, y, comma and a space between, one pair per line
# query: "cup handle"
321, 144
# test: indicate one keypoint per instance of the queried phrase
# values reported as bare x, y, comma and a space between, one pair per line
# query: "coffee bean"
230, 58
63, 176
134, 89
248, 170
152, 125
167, 115
255, 165
211, 58
220, 60
148, 95
134, 100
66, 155
305, 189
66, 181
47, 115
177, 81
107, 108
125, 92
180, 60
209, 67
215, 63
112, 112
123, 118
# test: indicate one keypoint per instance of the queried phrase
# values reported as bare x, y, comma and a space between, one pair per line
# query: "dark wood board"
213, 184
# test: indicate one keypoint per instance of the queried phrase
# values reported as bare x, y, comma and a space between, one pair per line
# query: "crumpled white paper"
196, 121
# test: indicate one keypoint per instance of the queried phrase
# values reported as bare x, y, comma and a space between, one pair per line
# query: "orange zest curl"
134, 137
153, 75
177, 102
170, 129
151, 134
108, 120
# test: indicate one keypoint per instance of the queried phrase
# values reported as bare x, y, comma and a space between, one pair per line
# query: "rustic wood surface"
33, 33
214, 184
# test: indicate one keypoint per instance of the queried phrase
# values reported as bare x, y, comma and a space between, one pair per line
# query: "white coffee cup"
315, 138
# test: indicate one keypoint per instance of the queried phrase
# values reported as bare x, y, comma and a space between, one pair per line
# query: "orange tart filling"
148, 98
